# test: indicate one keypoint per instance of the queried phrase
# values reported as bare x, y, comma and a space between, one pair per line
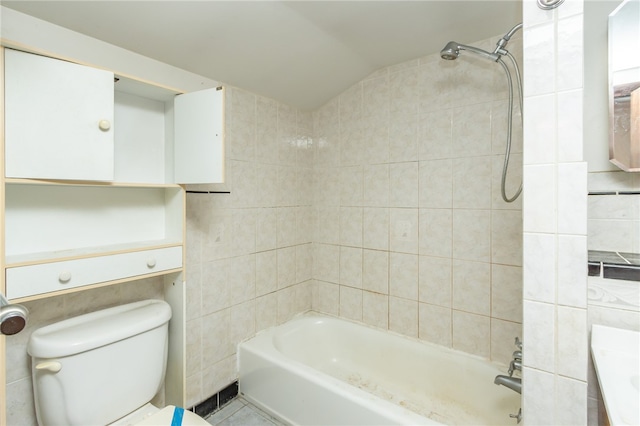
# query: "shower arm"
452, 50
505, 39
488, 55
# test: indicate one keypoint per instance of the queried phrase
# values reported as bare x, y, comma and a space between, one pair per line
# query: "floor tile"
239, 412
226, 411
246, 416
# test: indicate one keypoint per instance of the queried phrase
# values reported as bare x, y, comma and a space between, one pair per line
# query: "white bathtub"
316, 370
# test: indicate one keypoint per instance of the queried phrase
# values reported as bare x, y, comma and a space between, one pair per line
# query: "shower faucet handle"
518, 416
514, 365
518, 343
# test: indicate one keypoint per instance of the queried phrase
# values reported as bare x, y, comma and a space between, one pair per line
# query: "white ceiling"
302, 53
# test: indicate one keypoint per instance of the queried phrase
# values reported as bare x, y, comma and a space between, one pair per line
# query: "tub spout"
512, 383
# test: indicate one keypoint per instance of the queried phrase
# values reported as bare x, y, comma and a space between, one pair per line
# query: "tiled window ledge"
614, 265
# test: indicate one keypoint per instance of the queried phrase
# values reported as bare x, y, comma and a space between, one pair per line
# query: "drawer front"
30, 280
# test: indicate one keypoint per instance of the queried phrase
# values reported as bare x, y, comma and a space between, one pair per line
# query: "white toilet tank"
96, 368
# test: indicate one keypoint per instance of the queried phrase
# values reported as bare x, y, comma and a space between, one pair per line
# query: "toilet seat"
164, 417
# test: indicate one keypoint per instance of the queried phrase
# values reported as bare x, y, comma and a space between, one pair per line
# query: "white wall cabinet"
58, 118
66, 121
199, 122
93, 165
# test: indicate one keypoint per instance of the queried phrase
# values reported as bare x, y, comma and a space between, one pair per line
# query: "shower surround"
411, 232
383, 206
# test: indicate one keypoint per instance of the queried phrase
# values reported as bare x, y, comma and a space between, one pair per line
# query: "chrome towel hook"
13, 318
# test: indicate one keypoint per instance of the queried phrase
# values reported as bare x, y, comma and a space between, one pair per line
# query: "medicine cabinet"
624, 86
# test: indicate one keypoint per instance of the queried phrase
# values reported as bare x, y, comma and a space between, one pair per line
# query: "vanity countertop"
616, 356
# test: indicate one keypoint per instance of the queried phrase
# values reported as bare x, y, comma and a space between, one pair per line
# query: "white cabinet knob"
52, 366
104, 125
151, 262
64, 277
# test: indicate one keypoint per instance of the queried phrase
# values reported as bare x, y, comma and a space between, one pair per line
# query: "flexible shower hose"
505, 166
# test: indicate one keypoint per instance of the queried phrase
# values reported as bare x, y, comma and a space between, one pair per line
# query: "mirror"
624, 86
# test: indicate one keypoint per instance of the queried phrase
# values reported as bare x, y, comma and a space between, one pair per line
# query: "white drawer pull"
51, 366
104, 125
151, 262
64, 277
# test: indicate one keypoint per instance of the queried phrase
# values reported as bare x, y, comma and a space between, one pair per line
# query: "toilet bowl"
104, 368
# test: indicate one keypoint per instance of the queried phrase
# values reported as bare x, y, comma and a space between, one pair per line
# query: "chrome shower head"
451, 51
13, 318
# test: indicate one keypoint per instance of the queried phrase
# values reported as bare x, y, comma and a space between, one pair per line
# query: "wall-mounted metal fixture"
13, 318
549, 4
451, 52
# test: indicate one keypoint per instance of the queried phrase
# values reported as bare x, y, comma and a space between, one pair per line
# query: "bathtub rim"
267, 349
310, 313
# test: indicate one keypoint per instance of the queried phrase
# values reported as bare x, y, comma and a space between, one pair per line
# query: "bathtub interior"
444, 385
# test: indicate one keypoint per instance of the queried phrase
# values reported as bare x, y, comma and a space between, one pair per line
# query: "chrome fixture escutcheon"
549, 4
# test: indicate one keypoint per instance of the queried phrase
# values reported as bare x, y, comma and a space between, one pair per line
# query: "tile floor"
241, 413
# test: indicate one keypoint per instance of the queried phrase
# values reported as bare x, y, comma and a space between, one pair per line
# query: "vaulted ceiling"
302, 53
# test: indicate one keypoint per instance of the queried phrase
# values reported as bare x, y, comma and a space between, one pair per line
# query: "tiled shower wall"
388, 197
249, 252
411, 233
554, 218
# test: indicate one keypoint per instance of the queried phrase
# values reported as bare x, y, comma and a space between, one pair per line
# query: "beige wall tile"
472, 235
506, 293
403, 275
375, 309
471, 333
435, 324
351, 303
403, 316
375, 271
435, 280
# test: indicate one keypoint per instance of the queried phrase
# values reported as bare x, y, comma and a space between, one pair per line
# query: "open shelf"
51, 222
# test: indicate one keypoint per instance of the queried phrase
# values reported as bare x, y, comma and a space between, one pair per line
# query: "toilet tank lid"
96, 329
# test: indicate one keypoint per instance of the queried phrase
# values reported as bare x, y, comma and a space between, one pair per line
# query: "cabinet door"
58, 119
199, 137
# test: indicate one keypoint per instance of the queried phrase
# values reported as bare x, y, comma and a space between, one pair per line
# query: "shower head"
452, 50
13, 318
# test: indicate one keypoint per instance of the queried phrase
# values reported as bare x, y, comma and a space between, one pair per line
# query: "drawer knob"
64, 277
104, 125
151, 262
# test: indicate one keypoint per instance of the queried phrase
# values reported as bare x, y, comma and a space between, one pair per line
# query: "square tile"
435, 324
472, 182
472, 235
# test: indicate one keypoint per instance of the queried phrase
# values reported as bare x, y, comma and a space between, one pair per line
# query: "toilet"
104, 368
